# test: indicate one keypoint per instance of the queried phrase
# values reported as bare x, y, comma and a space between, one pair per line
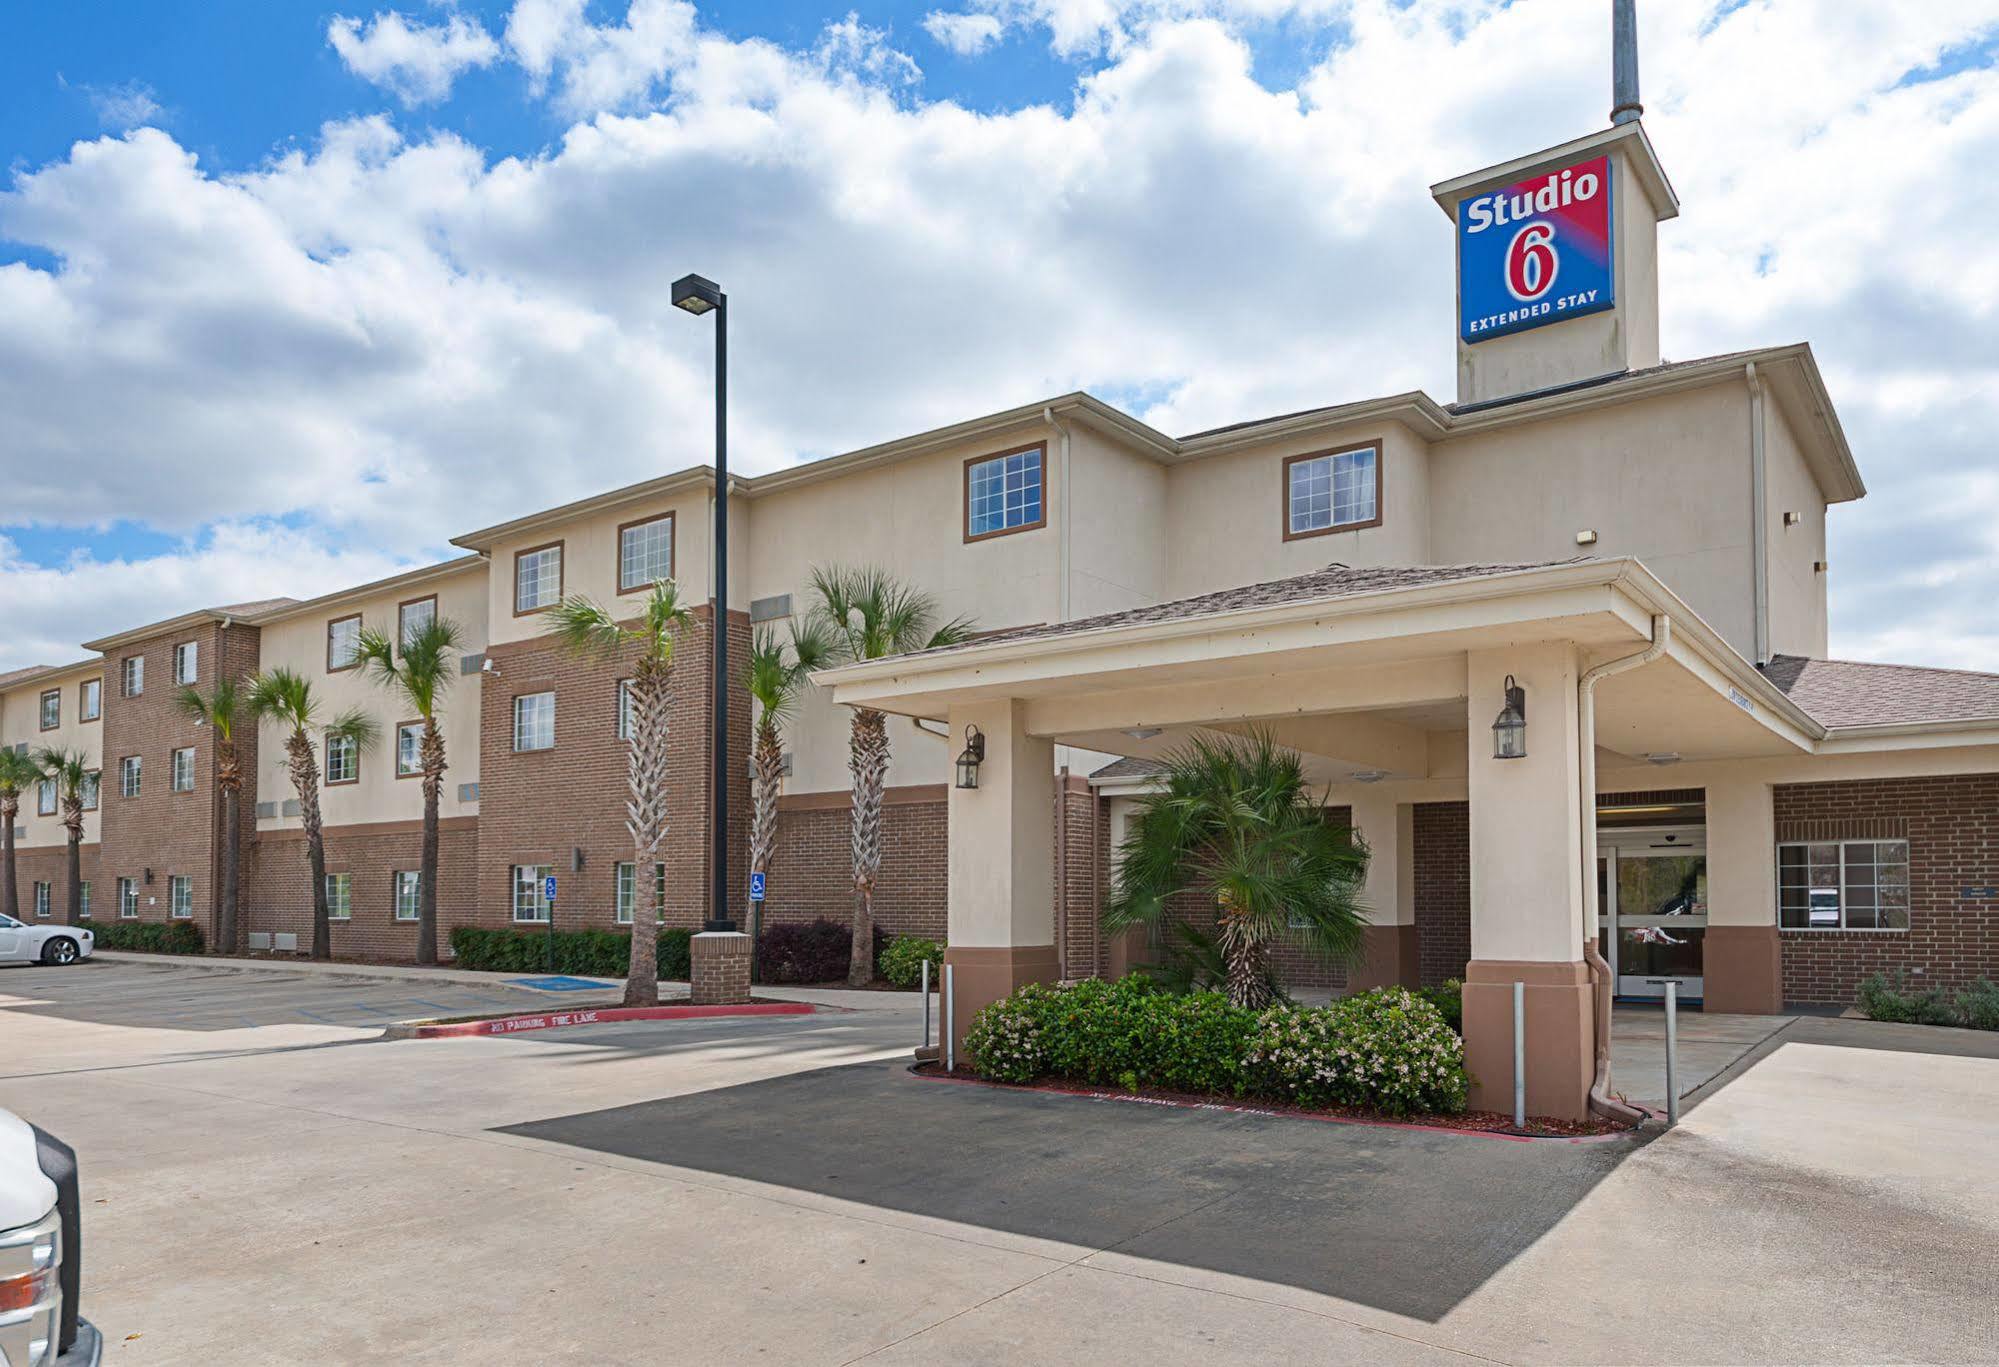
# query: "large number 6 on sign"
1530, 262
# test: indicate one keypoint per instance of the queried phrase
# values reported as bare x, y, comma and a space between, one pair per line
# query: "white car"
26, 944
41, 1252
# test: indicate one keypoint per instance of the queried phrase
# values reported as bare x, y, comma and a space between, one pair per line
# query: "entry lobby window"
1003, 494
339, 896
90, 700
52, 709
645, 553
534, 721
183, 774
537, 579
406, 894
529, 904
1843, 885
132, 676
1332, 492
180, 896
129, 772
187, 662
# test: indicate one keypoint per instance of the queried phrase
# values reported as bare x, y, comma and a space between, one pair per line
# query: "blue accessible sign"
548, 887
1535, 252
757, 886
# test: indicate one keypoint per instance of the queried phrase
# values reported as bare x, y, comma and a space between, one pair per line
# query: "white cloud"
965, 34
418, 62
120, 107
392, 341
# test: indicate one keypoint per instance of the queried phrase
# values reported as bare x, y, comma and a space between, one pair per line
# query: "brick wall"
1952, 826
1081, 866
278, 895
811, 871
1442, 857
50, 864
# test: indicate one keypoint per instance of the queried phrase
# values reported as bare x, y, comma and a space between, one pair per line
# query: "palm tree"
1237, 823
420, 678
777, 675
17, 771
584, 628
284, 697
71, 773
869, 614
219, 712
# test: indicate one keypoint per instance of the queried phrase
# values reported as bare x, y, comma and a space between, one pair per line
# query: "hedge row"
1388, 1050
153, 937
585, 953
1973, 1008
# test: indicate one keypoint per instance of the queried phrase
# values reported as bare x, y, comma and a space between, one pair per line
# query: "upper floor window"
1843, 885
645, 553
409, 749
534, 721
343, 759
537, 578
343, 642
129, 775
1333, 491
187, 662
1003, 493
413, 617
90, 700
183, 769
52, 709
91, 781
132, 676
45, 797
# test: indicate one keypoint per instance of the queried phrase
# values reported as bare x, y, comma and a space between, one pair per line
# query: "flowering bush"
1388, 1050
1004, 1039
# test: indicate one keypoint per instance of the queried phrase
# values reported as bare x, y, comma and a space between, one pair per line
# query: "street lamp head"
697, 294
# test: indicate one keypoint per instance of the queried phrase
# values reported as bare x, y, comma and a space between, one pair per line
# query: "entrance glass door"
1652, 890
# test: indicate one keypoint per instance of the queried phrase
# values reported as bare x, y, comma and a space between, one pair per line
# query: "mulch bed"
1489, 1123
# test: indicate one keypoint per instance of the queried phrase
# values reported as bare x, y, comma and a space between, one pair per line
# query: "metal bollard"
950, 1032
1520, 1056
926, 1005
1672, 1053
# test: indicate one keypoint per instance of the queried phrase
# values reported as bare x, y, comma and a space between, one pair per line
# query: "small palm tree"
72, 776
1237, 823
219, 710
17, 771
419, 673
778, 673
869, 614
284, 698
585, 628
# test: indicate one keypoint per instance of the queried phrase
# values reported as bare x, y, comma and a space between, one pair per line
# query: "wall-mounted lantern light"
973, 755
1509, 729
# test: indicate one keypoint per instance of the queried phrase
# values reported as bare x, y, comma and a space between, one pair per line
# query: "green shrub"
1449, 999
1387, 1050
1979, 1005
1003, 1041
901, 960
150, 937
1975, 1007
591, 953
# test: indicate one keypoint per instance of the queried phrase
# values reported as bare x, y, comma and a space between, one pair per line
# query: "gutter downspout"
1759, 513
1662, 636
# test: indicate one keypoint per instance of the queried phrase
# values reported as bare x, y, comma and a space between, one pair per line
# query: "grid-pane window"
83, 900
183, 770
44, 901
130, 770
187, 662
1334, 490
180, 895
645, 553
339, 896
1843, 885
408, 887
534, 721
343, 759
45, 797
132, 675
409, 749
628, 889
91, 782
412, 618
529, 904
343, 642
52, 709
1003, 493
537, 579
91, 699
624, 709
128, 899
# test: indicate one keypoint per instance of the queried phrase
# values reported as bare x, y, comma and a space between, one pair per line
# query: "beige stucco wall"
20, 721
1120, 552
299, 643
1797, 590
590, 559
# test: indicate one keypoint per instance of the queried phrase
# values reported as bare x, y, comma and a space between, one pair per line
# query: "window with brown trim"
1005, 492
537, 578
93, 782
1332, 491
180, 772
51, 709
90, 700
409, 749
413, 616
645, 553
187, 662
343, 759
132, 676
343, 643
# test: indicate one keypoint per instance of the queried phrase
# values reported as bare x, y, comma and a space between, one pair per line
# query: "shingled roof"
1857, 693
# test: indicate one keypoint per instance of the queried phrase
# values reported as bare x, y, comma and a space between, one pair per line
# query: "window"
409, 750
90, 700
408, 894
1333, 491
128, 899
343, 640
529, 904
45, 797
52, 709
44, 901
340, 896
343, 759
128, 776
534, 721
180, 896
91, 782
132, 676
624, 709
183, 773
645, 553
413, 616
187, 662
537, 579
627, 887
1843, 885
83, 900
1003, 493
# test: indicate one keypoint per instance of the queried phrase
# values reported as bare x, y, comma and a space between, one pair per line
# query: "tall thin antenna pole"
1624, 105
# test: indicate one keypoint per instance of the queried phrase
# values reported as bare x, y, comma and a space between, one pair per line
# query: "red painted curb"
601, 1015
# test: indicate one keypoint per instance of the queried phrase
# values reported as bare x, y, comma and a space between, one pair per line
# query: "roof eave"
444, 569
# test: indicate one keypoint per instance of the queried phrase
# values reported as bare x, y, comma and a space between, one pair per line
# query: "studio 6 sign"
1534, 252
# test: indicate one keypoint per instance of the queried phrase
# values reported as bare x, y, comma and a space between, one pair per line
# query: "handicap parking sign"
548, 887
757, 886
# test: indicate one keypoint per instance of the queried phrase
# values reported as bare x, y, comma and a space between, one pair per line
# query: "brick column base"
720, 968
1742, 970
1561, 1043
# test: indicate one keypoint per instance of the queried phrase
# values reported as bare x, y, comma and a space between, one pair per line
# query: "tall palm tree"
284, 698
219, 710
1237, 823
17, 771
585, 628
71, 773
869, 614
778, 673
419, 672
